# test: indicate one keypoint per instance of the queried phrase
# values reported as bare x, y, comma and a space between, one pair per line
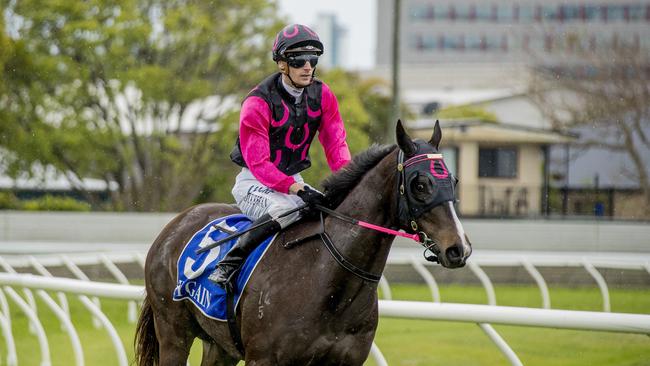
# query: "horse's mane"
337, 186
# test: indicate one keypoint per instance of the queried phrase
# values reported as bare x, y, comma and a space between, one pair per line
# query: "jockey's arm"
254, 124
331, 132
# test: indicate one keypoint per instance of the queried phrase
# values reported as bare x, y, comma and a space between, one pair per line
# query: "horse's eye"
420, 187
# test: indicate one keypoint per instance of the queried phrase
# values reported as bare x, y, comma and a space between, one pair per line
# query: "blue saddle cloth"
193, 270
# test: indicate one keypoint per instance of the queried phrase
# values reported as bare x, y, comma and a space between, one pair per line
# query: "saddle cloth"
193, 270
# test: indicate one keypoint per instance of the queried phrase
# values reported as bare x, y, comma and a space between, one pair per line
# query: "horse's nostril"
454, 253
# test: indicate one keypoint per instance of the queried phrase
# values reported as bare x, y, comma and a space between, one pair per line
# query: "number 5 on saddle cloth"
193, 269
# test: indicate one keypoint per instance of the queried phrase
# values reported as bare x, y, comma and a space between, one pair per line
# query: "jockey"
278, 121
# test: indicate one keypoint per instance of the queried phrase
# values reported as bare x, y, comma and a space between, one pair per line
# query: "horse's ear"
404, 140
436, 136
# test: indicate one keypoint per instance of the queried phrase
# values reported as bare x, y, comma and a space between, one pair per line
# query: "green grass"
417, 342
403, 342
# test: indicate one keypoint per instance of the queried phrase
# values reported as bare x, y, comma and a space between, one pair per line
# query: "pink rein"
385, 230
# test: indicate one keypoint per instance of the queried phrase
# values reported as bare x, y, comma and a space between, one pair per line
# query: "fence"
480, 314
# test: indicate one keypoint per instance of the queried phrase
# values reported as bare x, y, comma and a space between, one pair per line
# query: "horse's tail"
145, 342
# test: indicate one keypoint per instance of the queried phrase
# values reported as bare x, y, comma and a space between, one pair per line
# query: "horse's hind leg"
213, 355
174, 340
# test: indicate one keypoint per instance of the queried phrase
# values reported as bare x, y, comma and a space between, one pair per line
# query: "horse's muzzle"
455, 256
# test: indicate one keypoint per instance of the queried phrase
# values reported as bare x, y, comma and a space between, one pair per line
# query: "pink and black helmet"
296, 36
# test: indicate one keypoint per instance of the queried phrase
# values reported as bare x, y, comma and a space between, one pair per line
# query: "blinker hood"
440, 181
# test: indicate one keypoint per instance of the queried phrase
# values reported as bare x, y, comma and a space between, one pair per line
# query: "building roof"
459, 96
489, 132
49, 180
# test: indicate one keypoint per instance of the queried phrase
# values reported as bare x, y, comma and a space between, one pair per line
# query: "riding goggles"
298, 61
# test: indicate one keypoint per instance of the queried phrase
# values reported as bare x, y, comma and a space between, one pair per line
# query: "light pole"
390, 126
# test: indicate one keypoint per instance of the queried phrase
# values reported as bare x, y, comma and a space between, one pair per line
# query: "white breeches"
255, 199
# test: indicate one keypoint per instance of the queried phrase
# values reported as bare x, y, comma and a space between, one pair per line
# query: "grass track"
403, 342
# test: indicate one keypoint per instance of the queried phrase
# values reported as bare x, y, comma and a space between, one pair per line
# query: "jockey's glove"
312, 197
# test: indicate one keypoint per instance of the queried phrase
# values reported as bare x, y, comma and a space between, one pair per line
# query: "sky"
357, 16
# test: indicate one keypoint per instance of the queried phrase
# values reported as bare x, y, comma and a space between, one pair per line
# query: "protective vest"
292, 126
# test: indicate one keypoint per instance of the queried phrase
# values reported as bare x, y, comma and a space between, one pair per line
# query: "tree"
16, 72
138, 93
355, 117
377, 100
606, 92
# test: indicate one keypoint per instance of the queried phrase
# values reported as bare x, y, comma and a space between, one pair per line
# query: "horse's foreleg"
213, 355
174, 342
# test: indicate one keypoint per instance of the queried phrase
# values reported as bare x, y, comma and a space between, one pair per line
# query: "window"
454, 42
505, 13
418, 12
526, 14
484, 12
500, 162
592, 12
635, 12
550, 13
441, 12
570, 12
615, 13
474, 42
425, 42
462, 12
492, 42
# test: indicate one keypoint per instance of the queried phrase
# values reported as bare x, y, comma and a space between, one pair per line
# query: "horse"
304, 306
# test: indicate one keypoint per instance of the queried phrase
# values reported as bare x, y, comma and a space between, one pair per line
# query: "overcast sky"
357, 16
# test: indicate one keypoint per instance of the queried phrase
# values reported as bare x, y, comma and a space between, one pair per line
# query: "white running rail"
528, 260
480, 314
590, 262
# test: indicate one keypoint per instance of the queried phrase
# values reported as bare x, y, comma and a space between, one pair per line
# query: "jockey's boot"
244, 246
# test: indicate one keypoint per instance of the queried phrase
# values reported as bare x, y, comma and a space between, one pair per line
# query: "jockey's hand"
312, 197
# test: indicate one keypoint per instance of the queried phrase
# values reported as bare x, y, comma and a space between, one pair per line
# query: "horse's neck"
372, 200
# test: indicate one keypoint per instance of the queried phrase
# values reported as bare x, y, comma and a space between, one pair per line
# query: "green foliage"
145, 94
354, 115
376, 99
8, 201
54, 203
467, 112
6, 48
132, 91
377, 102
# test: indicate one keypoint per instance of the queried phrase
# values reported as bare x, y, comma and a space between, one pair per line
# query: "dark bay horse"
301, 307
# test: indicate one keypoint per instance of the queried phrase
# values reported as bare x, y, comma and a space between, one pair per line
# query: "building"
47, 182
333, 35
480, 53
488, 46
508, 31
503, 168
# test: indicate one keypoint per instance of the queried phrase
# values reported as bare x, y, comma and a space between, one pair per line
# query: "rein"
421, 238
